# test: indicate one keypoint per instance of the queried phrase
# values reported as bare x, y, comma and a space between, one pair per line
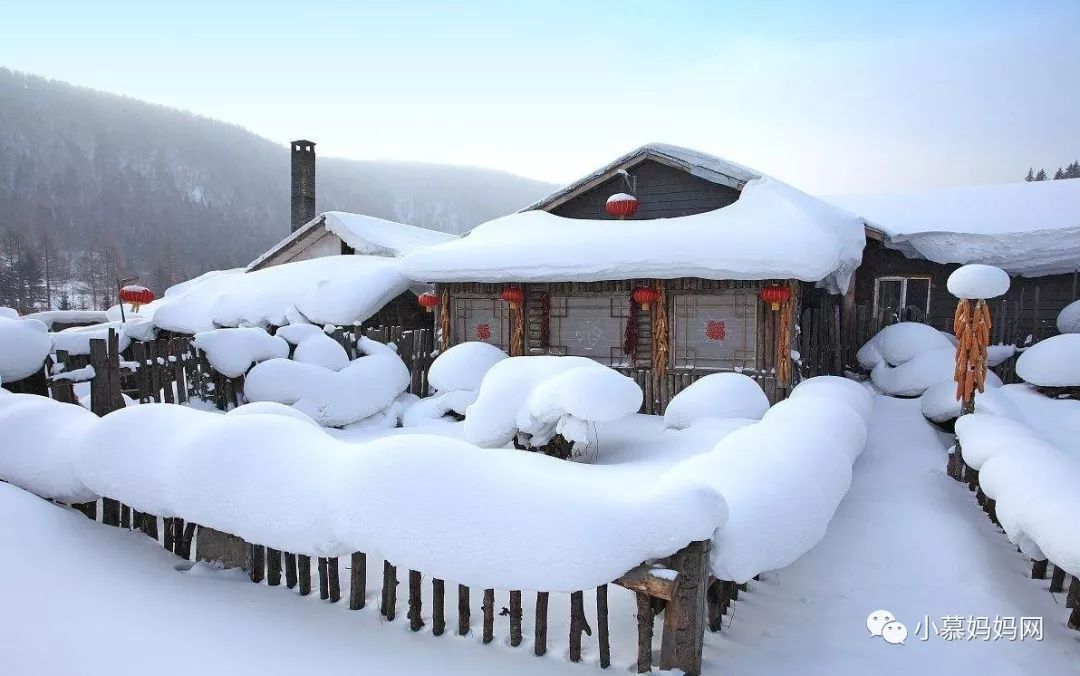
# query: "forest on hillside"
95, 187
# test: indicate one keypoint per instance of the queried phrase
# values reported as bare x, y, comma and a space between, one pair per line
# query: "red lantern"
644, 296
775, 294
621, 205
428, 301
513, 295
135, 295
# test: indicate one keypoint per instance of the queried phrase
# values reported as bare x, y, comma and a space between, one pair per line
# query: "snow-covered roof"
366, 235
50, 317
773, 231
1030, 228
702, 165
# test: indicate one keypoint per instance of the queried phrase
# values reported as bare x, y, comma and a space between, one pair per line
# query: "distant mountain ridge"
171, 194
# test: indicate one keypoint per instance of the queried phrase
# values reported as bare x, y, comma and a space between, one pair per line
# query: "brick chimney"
303, 182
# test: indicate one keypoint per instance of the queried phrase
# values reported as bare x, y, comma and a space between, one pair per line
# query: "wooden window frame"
903, 279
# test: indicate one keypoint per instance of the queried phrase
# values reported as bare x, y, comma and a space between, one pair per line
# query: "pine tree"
1041, 176
1073, 170
1059, 174
1030, 175
65, 301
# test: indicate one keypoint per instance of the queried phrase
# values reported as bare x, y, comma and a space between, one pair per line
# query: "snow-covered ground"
91, 599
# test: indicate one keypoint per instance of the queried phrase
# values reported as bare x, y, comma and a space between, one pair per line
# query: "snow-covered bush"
24, 345
534, 398
1053, 362
41, 441
718, 395
313, 346
366, 387
455, 378
1068, 320
232, 351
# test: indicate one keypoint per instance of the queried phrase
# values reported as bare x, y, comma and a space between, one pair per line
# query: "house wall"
657, 394
662, 192
1030, 307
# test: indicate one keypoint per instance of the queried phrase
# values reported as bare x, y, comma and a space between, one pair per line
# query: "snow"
899, 343
620, 197
463, 366
367, 386
977, 281
50, 317
8, 313
1053, 362
76, 340
771, 231
339, 290
232, 351
717, 395
1068, 320
271, 408
514, 399
26, 344
313, 346
1028, 229
41, 444
837, 388
366, 235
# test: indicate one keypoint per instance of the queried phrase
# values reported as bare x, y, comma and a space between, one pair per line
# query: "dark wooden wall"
662, 192
1032, 303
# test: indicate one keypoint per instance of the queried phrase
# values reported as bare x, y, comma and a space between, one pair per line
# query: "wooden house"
665, 292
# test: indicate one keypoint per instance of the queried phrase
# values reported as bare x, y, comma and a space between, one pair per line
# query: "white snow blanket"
366, 387
76, 340
1068, 320
340, 290
24, 345
1032, 477
42, 440
50, 317
978, 281
8, 312
1053, 362
535, 398
1028, 229
313, 346
455, 378
771, 231
717, 395
233, 351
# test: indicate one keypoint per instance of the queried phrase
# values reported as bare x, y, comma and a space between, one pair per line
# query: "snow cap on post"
978, 282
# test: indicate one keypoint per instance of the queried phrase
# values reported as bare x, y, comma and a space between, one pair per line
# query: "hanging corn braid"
971, 325
444, 318
660, 330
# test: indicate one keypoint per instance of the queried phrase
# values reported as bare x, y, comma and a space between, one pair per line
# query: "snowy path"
909, 540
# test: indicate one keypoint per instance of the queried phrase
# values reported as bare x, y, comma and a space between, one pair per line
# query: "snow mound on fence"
978, 281
718, 395
232, 351
366, 387
24, 345
1053, 362
1068, 320
899, 343
272, 408
463, 366
42, 441
313, 346
76, 340
837, 388
506, 405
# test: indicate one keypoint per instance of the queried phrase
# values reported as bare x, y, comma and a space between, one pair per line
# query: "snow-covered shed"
915, 240
655, 264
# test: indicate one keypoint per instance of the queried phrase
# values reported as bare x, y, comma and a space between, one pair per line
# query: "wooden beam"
650, 581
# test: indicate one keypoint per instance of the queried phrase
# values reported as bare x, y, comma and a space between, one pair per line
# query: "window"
715, 330
902, 298
590, 326
482, 319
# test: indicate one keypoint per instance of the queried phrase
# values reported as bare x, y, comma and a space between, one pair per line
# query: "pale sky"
834, 97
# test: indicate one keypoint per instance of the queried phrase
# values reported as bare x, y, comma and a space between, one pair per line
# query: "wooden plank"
273, 567
648, 580
290, 570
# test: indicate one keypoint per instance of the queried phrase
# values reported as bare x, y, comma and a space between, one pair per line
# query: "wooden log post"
303, 570
167, 538
1072, 600
489, 615
1038, 569
541, 629
715, 597
515, 618
187, 534
416, 622
334, 578
87, 508
645, 633
358, 581
577, 624
602, 631
388, 607
1057, 580
463, 610
273, 567
684, 618
290, 570
438, 607
258, 563
324, 580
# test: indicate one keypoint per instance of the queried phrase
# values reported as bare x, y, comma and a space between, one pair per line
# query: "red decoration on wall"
136, 295
428, 301
621, 205
483, 331
715, 330
644, 296
775, 294
513, 295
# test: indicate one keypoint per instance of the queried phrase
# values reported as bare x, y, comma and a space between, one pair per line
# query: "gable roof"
366, 235
708, 167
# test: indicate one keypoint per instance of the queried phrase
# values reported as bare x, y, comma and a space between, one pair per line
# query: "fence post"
684, 618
